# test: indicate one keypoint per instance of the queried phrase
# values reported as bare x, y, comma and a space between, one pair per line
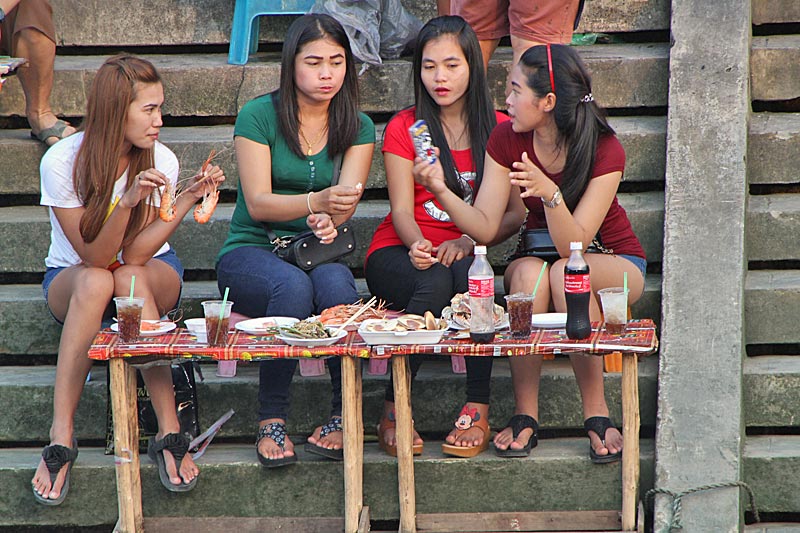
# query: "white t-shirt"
58, 191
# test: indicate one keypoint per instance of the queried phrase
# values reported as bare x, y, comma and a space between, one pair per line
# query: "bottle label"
577, 283
481, 287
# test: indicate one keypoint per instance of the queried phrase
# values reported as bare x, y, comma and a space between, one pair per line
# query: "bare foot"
48, 120
505, 439
464, 436
613, 442
41, 480
390, 439
334, 440
188, 470
270, 449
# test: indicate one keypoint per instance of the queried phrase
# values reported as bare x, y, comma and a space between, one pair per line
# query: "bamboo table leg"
353, 442
126, 446
630, 440
404, 434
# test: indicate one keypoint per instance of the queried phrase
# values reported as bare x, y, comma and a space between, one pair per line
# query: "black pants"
392, 277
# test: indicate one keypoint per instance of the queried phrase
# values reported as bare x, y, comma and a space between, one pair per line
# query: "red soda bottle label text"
481, 287
577, 283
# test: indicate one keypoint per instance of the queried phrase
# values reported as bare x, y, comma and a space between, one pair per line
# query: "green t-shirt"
258, 122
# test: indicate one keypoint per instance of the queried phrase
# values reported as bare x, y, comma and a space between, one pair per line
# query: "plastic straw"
133, 281
221, 314
541, 273
625, 282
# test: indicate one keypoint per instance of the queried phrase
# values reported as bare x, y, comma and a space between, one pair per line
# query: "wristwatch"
554, 201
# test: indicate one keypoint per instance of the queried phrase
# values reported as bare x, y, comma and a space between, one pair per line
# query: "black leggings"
392, 277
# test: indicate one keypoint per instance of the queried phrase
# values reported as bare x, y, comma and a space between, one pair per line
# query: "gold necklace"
310, 144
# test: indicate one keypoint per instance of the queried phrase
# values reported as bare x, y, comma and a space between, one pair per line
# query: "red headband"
550, 68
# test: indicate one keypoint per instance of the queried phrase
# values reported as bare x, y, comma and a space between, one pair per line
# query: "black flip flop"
334, 424
517, 423
275, 431
599, 424
55, 457
178, 445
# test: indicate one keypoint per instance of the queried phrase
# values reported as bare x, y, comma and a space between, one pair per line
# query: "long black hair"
580, 121
478, 110
343, 116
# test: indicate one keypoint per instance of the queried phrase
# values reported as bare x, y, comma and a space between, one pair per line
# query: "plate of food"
339, 314
458, 313
310, 333
549, 320
264, 325
405, 329
150, 328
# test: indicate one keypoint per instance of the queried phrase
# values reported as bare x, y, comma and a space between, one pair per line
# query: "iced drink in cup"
614, 301
520, 311
129, 317
217, 321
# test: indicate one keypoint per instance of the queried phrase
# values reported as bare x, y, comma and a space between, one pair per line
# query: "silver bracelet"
308, 202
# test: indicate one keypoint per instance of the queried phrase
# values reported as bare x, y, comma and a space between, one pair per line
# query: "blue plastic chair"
244, 31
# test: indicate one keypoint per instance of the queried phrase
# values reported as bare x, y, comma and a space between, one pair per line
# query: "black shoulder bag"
304, 249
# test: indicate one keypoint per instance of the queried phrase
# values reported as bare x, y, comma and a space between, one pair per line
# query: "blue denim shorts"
639, 262
169, 257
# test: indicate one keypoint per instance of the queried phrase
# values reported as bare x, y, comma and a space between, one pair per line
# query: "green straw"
221, 314
625, 282
541, 273
133, 281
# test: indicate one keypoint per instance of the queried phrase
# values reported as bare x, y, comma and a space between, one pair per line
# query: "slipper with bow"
55, 457
178, 445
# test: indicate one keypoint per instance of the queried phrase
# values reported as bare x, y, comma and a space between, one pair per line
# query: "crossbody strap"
337, 170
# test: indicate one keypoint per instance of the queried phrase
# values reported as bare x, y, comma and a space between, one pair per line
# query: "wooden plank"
522, 521
630, 439
242, 524
353, 442
363, 522
126, 446
405, 440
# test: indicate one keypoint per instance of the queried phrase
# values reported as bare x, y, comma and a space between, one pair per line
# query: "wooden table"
179, 344
639, 340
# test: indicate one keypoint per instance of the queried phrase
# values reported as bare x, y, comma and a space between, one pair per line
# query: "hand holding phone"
423, 145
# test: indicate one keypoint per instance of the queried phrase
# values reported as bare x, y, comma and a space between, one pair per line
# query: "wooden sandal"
467, 419
390, 423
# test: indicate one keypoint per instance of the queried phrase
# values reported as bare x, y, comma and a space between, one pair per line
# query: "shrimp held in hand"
203, 212
168, 199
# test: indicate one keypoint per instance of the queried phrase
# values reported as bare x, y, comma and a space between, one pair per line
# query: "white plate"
549, 320
311, 343
421, 336
500, 324
256, 326
163, 327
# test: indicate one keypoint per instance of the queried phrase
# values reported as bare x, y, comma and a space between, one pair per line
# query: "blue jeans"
261, 284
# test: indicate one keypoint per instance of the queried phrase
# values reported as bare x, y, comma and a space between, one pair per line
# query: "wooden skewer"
355, 315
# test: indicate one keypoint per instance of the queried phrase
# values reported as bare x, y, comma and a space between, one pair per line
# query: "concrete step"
773, 150
771, 301
775, 67
197, 245
232, 483
204, 85
644, 139
209, 21
771, 391
438, 394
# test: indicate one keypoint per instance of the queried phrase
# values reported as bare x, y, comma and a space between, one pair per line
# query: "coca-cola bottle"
481, 298
577, 290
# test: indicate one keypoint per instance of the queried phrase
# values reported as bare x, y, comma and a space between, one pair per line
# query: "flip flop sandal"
468, 419
55, 457
277, 432
334, 424
599, 424
387, 423
178, 445
56, 130
517, 423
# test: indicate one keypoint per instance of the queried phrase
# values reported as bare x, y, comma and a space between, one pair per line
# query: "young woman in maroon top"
559, 160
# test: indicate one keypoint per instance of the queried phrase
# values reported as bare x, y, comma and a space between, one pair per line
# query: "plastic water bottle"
481, 298
577, 289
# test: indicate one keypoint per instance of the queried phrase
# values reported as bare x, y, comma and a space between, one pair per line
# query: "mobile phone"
421, 137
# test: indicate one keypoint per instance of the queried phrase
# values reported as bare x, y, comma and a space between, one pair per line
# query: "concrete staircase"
187, 42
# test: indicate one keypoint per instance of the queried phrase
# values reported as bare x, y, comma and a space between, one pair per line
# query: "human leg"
489, 19
33, 37
261, 284
78, 297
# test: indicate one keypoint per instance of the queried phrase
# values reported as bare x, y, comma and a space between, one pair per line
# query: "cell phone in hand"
423, 145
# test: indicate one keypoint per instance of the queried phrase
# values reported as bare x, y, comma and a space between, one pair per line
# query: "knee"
123, 276
95, 283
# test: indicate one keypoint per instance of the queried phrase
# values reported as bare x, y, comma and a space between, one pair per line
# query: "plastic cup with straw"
221, 315
129, 315
539, 280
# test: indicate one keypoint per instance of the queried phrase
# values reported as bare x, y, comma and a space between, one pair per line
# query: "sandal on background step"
518, 423
334, 424
178, 445
389, 422
600, 424
467, 419
275, 431
55, 457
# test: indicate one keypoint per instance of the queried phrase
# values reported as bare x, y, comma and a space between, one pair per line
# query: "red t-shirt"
505, 147
432, 220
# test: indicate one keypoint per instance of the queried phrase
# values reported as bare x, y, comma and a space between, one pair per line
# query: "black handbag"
304, 250
538, 243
